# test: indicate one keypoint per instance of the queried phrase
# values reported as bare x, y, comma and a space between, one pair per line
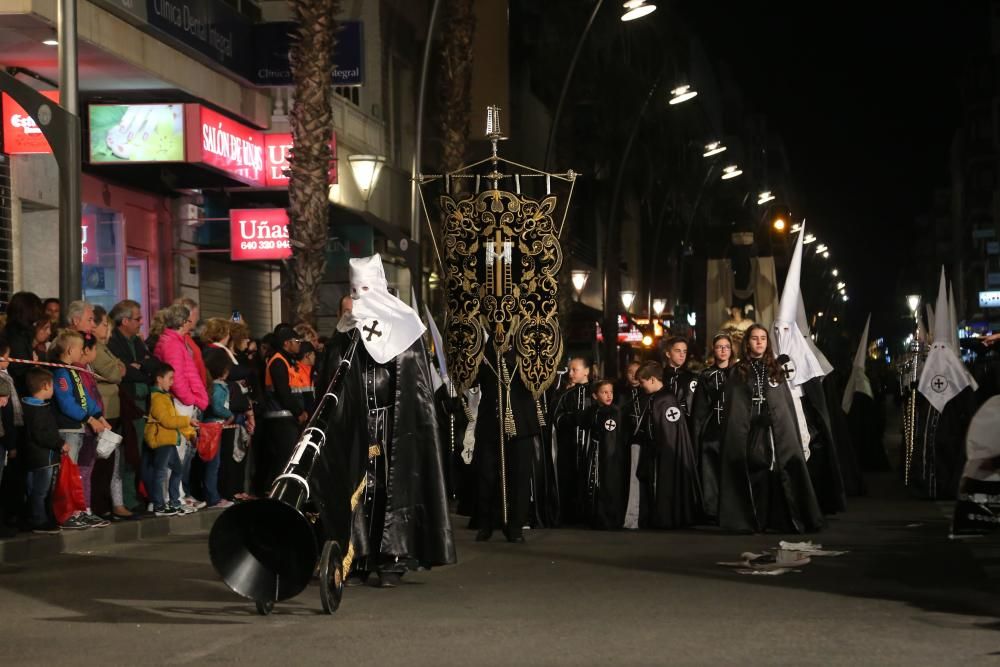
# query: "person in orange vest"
284, 412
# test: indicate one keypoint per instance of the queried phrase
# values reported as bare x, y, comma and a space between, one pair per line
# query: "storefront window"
103, 256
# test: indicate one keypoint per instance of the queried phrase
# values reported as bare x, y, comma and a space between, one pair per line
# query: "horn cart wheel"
331, 576
264, 607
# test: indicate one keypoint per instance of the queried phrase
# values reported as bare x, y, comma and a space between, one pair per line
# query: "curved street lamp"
732, 171
713, 148
636, 9
366, 170
579, 278
682, 94
628, 297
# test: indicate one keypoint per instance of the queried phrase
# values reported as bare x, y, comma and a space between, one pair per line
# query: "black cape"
571, 451
847, 449
667, 469
416, 517
824, 456
708, 409
607, 467
793, 503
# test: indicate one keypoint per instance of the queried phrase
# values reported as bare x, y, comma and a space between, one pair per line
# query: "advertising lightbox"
122, 133
259, 234
230, 146
21, 135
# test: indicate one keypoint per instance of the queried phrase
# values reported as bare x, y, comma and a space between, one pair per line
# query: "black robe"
866, 433
668, 469
708, 411
416, 524
824, 457
682, 383
606, 468
847, 449
453, 421
571, 451
938, 457
754, 497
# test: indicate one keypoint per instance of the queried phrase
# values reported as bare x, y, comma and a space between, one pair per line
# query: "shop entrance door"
137, 273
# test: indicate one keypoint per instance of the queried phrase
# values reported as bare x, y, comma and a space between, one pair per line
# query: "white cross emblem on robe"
673, 414
610, 425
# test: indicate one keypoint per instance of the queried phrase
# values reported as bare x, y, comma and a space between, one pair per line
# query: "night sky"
866, 97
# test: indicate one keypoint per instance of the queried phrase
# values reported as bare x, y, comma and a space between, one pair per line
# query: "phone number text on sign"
265, 245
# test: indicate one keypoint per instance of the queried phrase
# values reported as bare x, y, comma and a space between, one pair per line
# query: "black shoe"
515, 537
484, 535
389, 579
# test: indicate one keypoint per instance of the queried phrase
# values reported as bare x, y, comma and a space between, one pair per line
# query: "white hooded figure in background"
387, 325
944, 376
789, 337
801, 365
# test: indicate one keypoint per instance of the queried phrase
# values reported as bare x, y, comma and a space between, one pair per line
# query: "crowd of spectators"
155, 426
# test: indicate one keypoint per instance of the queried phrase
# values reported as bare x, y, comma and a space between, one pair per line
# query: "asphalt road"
905, 594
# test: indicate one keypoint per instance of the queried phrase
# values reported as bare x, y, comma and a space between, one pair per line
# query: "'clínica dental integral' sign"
259, 234
21, 134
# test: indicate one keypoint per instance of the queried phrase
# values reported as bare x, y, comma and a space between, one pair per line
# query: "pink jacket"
189, 387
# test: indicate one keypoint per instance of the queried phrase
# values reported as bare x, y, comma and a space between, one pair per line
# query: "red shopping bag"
209, 438
67, 496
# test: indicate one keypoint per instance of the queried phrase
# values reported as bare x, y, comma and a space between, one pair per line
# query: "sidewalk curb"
31, 547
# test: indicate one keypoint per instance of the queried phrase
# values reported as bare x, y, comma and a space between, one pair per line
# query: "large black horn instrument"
267, 549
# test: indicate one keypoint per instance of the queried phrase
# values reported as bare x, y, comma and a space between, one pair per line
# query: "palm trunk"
455, 82
311, 118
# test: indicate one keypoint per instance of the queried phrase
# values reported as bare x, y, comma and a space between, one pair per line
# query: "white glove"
347, 322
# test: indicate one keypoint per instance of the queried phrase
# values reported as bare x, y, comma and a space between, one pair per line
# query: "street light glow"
810, 238
659, 305
835, 273
826, 255
821, 248
779, 224
845, 298
682, 94
713, 148
627, 296
765, 197
913, 301
366, 170
841, 285
636, 9
796, 227
50, 42
579, 278
732, 171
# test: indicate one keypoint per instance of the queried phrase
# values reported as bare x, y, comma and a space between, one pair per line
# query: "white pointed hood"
388, 325
789, 339
803, 322
858, 383
944, 376
953, 321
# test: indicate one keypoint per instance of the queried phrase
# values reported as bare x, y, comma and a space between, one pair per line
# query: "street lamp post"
612, 273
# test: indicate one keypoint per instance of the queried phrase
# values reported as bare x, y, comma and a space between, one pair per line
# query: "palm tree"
311, 118
454, 81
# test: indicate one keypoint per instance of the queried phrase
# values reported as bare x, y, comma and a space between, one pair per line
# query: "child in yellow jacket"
164, 429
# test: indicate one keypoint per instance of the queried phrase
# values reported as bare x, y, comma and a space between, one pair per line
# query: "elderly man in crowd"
80, 317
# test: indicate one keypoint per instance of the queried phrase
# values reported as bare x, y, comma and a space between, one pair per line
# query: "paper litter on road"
769, 573
799, 546
810, 549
